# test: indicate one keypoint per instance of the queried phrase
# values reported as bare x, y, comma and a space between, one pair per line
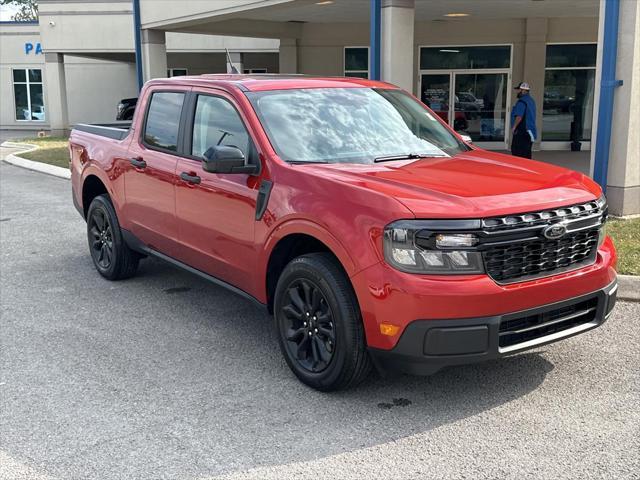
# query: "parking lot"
167, 376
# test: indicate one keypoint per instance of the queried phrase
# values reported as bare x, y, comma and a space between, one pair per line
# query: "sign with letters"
30, 48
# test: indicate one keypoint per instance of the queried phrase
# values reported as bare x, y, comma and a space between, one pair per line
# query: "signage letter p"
28, 47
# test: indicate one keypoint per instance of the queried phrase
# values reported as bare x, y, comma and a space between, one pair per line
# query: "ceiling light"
326, 2
457, 15
447, 50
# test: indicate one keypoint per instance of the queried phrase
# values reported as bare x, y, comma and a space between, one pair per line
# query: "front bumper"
427, 346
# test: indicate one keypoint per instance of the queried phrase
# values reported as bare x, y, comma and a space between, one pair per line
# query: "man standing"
523, 122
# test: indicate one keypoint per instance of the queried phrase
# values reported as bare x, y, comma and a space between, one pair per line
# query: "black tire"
328, 351
111, 256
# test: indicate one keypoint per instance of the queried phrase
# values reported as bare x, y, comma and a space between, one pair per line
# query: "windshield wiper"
304, 162
406, 156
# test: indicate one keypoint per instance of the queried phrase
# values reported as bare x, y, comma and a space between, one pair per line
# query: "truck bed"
116, 131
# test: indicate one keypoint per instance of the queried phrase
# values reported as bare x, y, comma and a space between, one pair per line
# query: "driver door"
216, 211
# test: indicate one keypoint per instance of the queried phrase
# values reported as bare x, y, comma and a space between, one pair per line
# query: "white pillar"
56, 93
397, 26
535, 57
154, 54
623, 178
236, 60
288, 56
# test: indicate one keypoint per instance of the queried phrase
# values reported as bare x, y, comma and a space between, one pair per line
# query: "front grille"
511, 261
515, 247
517, 331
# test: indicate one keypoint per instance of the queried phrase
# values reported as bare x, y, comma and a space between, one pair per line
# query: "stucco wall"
321, 47
13, 55
95, 87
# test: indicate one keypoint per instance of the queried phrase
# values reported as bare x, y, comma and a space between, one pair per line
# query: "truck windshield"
351, 125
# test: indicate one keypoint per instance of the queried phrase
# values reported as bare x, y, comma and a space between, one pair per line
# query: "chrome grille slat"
515, 333
550, 322
570, 213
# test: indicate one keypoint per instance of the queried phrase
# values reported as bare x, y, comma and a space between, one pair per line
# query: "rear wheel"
111, 256
319, 325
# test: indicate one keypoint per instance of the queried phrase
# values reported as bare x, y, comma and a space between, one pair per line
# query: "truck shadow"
169, 375
261, 400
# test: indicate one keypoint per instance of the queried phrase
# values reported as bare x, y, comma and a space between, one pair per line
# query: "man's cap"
523, 86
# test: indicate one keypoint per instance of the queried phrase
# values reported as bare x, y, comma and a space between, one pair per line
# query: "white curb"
30, 164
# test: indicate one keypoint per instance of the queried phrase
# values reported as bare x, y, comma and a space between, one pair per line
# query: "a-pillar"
397, 38
154, 54
56, 93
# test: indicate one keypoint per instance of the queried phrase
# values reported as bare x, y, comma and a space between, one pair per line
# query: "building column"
288, 56
535, 58
236, 61
56, 94
154, 54
397, 40
623, 173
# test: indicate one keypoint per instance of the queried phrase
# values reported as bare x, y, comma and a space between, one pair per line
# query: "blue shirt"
526, 104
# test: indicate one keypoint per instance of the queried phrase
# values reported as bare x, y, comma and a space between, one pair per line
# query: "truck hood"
477, 183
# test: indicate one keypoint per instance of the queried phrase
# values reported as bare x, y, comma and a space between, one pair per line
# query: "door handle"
138, 162
193, 179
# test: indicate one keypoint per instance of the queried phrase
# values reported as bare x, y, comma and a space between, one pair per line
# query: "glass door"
435, 93
481, 105
472, 102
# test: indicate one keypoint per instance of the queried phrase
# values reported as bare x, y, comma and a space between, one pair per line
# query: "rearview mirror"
226, 159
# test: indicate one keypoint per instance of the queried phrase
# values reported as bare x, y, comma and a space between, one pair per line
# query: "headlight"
416, 247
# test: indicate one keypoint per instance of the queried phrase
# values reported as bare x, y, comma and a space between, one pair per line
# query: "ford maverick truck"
375, 235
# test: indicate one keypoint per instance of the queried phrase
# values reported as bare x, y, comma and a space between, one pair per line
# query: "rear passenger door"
150, 177
216, 213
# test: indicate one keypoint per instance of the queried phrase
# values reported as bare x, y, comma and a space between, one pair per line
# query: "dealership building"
461, 57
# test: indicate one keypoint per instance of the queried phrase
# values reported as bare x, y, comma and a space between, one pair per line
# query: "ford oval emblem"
554, 232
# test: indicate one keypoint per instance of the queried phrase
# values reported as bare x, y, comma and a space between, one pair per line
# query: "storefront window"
458, 58
28, 95
569, 88
356, 62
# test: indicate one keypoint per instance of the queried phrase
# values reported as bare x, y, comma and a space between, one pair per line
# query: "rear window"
163, 120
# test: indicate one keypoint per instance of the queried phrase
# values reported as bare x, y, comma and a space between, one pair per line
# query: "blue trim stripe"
375, 43
20, 22
608, 84
137, 27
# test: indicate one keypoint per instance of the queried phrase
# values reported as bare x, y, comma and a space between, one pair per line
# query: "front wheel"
319, 324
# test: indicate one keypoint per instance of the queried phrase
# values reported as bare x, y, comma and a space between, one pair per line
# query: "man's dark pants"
521, 145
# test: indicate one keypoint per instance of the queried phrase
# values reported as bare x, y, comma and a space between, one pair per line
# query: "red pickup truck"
373, 232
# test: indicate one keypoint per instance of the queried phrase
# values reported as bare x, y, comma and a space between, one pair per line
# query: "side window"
163, 120
217, 122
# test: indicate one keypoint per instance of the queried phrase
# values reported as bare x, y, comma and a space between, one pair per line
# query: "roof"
263, 82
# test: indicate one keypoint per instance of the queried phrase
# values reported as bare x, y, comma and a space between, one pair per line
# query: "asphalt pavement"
167, 376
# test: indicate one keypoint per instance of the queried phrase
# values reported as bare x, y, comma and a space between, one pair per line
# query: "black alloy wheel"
101, 237
111, 256
319, 324
310, 332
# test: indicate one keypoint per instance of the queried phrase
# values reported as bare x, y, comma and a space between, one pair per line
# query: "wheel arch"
291, 241
92, 186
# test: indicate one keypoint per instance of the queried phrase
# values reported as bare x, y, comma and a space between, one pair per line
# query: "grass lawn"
626, 237
51, 150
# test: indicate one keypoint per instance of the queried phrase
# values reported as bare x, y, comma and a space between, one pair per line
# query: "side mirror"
225, 159
467, 138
